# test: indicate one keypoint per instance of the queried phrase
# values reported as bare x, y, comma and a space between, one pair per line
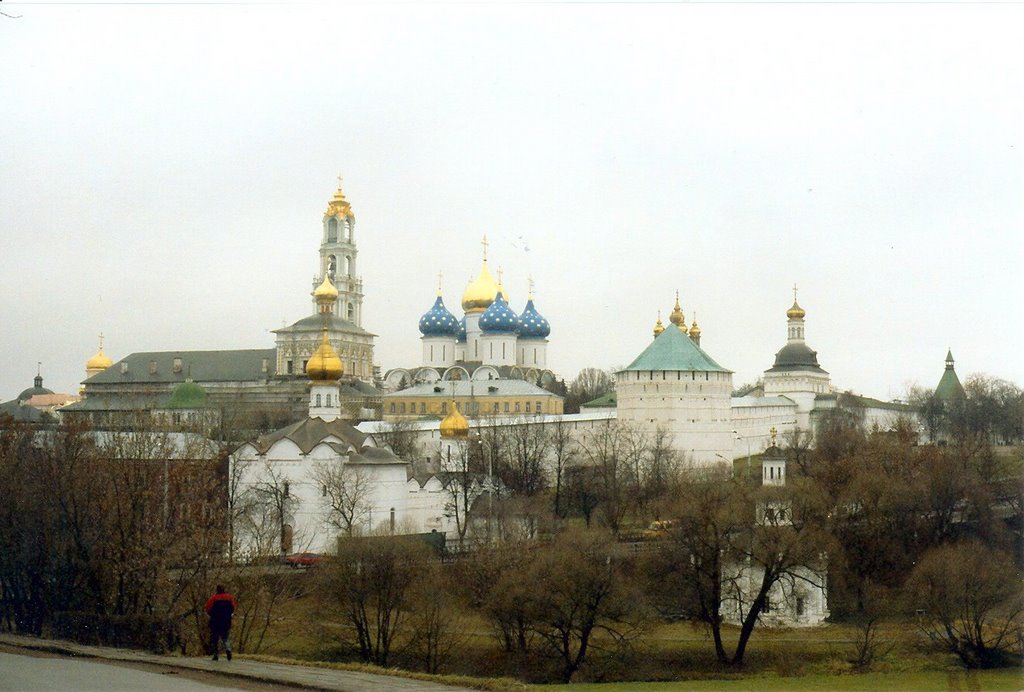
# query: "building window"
289, 367
401, 407
495, 406
517, 407
528, 407
539, 407
304, 364
318, 400
392, 407
799, 605
286, 489
444, 407
423, 407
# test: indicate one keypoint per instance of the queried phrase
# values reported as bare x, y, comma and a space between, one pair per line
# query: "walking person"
220, 607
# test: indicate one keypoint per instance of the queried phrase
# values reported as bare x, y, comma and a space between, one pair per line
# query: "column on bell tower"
338, 258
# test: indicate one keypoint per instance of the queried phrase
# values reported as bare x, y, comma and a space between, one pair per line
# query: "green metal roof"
608, 400
673, 350
949, 386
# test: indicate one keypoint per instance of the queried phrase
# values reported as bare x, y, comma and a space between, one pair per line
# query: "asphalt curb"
292, 675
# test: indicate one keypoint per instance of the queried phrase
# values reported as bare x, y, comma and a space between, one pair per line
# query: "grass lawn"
928, 680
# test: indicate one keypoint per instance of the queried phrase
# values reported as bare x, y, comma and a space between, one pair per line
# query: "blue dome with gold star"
532, 324
437, 321
499, 318
460, 334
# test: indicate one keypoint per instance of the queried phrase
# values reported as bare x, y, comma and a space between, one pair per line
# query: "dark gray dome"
32, 391
796, 356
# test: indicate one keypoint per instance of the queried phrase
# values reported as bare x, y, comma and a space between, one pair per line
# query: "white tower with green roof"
677, 387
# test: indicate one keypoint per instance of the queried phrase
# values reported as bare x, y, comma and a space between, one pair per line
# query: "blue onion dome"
437, 321
499, 318
460, 335
532, 324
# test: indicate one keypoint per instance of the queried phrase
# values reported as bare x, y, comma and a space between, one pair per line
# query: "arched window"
332, 231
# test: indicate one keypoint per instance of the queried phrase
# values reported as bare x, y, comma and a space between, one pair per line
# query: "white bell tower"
338, 258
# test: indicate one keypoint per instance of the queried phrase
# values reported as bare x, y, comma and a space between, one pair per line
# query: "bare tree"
345, 493
972, 602
270, 506
463, 483
563, 451
609, 451
373, 581
577, 592
401, 436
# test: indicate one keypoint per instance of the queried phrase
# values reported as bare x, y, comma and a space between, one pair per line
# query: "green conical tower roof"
674, 350
949, 387
188, 394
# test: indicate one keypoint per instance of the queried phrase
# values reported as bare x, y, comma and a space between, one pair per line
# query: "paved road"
24, 672
248, 674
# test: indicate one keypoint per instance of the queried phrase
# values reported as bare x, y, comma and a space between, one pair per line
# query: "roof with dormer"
309, 432
674, 350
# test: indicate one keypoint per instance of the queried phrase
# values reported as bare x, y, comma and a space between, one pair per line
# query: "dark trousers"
216, 635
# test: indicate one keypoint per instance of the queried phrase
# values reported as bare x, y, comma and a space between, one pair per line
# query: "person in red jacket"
220, 608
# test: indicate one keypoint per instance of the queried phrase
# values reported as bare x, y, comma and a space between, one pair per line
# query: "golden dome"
324, 365
658, 326
325, 294
676, 317
480, 292
795, 312
339, 206
454, 424
100, 361
694, 329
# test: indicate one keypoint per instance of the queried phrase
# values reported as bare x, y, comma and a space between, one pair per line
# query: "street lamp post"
747, 440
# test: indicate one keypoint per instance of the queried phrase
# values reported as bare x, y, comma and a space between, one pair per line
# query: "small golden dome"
325, 365
481, 291
454, 424
795, 312
694, 329
339, 206
325, 294
658, 326
676, 317
100, 361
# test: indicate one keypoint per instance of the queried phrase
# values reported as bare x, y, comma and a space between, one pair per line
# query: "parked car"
303, 559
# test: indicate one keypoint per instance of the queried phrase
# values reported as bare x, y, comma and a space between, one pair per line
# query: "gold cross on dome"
773, 432
529, 282
101, 341
440, 275
485, 244
339, 182
500, 272
794, 293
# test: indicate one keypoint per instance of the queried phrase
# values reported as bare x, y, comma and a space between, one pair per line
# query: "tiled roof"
202, 366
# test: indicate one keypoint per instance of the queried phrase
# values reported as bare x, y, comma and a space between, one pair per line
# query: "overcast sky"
165, 170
